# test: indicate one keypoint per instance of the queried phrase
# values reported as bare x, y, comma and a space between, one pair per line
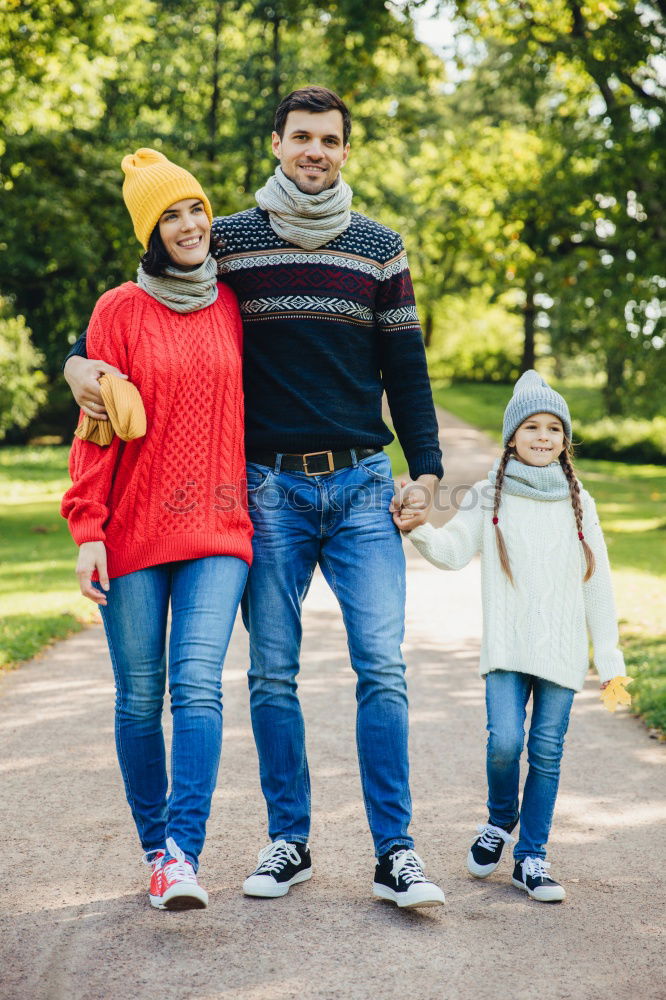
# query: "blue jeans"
341, 522
507, 694
204, 595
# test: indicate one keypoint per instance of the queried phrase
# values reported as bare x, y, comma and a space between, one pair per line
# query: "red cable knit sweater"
179, 492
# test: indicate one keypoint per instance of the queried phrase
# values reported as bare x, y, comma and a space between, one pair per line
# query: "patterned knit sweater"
178, 492
539, 626
325, 332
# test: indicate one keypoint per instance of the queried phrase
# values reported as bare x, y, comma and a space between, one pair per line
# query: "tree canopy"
527, 177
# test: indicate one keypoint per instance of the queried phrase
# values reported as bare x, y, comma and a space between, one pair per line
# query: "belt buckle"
311, 454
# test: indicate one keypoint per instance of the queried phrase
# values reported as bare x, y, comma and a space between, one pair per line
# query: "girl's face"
185, 232
539, 440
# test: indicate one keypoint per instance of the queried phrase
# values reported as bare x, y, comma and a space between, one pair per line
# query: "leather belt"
314, 463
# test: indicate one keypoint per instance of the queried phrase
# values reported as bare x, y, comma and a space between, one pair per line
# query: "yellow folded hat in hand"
127, 416
616, 694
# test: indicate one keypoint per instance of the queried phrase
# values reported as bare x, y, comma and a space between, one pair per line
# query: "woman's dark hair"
156, 258
316, 100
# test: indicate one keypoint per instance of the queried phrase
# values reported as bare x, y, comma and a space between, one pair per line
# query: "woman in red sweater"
162, 520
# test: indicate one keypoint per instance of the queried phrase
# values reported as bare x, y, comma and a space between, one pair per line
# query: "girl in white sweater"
545, 584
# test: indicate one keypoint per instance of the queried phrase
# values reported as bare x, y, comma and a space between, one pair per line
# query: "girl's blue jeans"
204, 595
507, 694
341, 522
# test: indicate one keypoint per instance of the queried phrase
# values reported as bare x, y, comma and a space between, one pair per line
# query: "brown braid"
501, 544
574, 490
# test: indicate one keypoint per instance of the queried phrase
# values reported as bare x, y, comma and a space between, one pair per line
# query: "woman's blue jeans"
507, 694
204, 596
341, 522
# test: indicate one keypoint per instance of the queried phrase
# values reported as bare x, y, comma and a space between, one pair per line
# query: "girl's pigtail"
501, 544
574, 490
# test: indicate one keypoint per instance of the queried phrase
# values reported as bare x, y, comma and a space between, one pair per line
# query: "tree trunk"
213, 111
427, 327
613, 389
276, 57
529, 316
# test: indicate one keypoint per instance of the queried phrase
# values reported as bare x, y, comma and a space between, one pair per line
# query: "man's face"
311, 151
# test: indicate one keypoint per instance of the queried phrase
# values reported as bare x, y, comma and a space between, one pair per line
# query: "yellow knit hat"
151, 184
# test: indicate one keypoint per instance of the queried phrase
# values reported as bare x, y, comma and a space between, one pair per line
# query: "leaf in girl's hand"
616, 694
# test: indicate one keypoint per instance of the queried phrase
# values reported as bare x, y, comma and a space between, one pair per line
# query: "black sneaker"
281, 865
399, 877
531, 874
485, 853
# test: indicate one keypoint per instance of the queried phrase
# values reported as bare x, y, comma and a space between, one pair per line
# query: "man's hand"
83, 375
411, 505
92, 555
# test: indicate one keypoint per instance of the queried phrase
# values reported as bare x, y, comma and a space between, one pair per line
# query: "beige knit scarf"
307, 220
182, 291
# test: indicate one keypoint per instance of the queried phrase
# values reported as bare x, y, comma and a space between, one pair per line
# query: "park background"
517, 146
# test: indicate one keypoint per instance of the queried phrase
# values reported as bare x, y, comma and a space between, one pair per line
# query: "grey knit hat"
532, 394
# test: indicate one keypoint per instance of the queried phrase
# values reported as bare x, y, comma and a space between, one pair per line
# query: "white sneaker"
399, 877
485, 853
281, 865
531, 874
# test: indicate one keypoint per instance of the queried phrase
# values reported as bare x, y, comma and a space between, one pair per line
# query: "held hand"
83, 375
92, 555
411, 505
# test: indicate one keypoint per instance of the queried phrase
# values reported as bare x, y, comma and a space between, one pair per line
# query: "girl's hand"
411, 505
604, 685
92, 555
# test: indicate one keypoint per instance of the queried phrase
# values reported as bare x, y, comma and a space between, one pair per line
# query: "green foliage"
473, 341
583, 87
21, 382
397, 457
23, 636
646, 663
38, 554
56, 54
626, 440
481, 404
202, 87
532, 188
78, 241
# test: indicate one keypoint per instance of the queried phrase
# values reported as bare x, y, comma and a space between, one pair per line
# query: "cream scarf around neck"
182, 291
536, 482
307, 220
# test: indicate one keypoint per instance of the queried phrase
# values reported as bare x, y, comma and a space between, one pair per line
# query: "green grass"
646, 661
483, 405
631, 500
39, 595
398, 460
40, 601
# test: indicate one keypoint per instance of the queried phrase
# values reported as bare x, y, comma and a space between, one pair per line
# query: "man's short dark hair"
316, 100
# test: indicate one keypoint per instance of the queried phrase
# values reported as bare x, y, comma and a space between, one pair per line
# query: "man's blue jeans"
341, 522
507, 694
204, 595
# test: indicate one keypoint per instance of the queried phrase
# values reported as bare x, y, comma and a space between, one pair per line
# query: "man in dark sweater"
330, 322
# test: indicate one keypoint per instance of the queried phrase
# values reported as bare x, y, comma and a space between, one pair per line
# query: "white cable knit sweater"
540, 625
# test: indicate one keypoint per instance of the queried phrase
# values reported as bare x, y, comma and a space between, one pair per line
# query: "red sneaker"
174, 886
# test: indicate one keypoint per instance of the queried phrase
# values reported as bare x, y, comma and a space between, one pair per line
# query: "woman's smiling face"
185, 231
539, 440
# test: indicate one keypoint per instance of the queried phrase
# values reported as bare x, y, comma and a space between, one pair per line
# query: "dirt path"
75, 922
